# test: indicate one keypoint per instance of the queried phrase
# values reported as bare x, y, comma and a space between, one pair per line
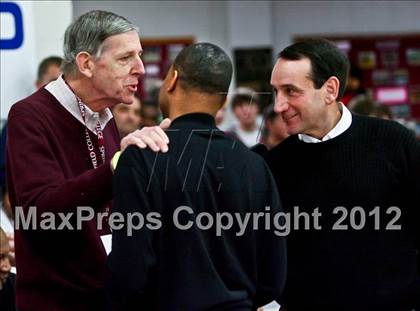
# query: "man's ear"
173, 80
85, 64
332, 87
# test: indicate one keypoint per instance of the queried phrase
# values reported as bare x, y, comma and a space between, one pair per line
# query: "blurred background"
381, 38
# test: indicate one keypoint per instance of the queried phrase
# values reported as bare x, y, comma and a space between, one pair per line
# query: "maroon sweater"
48, 166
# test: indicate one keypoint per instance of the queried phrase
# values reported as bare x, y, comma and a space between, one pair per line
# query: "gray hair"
88, 32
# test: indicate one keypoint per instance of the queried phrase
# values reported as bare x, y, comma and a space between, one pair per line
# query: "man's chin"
293, 130
128, 100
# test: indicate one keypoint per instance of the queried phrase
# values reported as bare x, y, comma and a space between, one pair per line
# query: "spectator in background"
382, 111
62, 147
7, 279
128, 117
48, 70
150, 114
366, 107
245, 108
273, 133
354, 87
363, 106
275, 130
335, 164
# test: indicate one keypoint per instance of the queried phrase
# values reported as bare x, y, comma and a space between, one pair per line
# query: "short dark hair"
46, 63
204, 67
326, 61
243, 99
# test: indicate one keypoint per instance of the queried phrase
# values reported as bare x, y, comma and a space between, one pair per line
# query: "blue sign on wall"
17, 40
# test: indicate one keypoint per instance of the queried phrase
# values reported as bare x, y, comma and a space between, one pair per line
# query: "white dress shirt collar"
65, 96
342, 125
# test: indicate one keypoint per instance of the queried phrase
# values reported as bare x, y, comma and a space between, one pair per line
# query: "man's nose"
138, 67
281, 104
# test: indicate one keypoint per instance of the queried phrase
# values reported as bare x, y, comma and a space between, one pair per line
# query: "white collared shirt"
65, 96
342, 125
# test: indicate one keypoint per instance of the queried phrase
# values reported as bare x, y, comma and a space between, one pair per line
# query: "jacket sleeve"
271, 248
415, 158
35, 176
415, 193
133, 256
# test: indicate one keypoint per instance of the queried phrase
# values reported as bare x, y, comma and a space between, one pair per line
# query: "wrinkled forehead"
291, 71
122, 43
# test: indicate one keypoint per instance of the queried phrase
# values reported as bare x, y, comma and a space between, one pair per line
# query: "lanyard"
98, 130
99, 133
101, 144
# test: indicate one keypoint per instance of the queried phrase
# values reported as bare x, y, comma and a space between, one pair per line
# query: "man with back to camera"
168, 268
61, 140
363, 166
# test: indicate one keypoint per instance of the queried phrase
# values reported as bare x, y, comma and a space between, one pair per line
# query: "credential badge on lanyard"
99, 134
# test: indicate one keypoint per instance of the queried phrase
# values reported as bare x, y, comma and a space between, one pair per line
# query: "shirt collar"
196, 120
342, 125
65, 96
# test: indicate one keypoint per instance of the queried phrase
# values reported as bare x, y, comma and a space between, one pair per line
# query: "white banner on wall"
30, 31
17, 53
